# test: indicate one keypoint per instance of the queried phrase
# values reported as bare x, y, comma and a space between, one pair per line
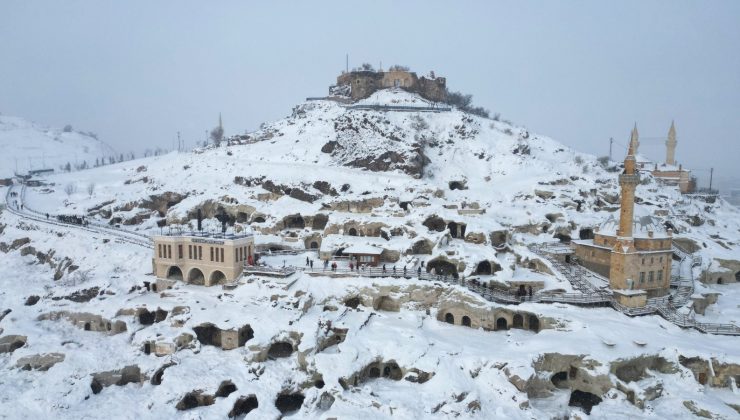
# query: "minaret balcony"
627, 179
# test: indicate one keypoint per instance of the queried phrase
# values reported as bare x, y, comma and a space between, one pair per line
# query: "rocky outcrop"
41, 362
210, 335
87, 321
121, 377
11, 343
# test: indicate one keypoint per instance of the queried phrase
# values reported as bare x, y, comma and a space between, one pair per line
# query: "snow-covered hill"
465, 194
26, 145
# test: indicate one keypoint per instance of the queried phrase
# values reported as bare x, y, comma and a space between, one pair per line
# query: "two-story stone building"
202, 258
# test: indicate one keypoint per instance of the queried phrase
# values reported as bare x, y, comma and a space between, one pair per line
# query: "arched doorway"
452, 226
501, 324
314, 245
720, 280
442, 267
586, 233
196, 277
466, 321
449, 318
217, 277
174, 273
518, 321
534, 323
484, 267
737, 276
352, 232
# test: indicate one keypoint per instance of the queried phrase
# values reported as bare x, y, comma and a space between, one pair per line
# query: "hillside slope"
33, 146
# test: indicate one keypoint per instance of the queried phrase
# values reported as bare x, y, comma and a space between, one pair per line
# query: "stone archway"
352, 232
294, 221
442, 267
586, 233
195, 276
501, 324
452, 226
737, 277
466, 321
314, 245
720, 280
518, 321
217, 277
449, 318
174, 273
534, 323
484, 267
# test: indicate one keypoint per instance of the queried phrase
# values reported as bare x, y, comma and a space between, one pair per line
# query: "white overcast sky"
137, 72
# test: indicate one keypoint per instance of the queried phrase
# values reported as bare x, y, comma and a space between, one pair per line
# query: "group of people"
71, 219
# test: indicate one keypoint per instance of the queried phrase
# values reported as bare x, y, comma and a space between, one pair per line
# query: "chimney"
200, 220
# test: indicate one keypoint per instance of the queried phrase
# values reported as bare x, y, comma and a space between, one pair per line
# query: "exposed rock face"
41, 362
288, 403
127, 375
728, 272
11, 343
194, 399
209, 334
243, 405
574, 372
357, 206
87, 321
632, 370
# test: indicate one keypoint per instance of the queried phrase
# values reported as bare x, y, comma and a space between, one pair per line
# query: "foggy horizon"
578, 72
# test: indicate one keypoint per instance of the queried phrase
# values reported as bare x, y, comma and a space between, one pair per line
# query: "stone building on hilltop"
634, 253
360, 84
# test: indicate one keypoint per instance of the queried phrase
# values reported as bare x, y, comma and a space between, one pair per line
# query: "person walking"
307, 261
311, 264
418, 272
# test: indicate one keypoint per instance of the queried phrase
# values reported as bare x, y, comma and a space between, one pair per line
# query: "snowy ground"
531, 187
410, 337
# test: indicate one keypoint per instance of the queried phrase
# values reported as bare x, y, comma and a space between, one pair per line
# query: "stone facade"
636, 254
202, 259
364, 83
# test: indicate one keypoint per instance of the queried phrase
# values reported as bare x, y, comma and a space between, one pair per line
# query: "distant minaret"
220, 124
628, 183
670, 149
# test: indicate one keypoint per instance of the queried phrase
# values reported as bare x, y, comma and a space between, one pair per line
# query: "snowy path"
22, 211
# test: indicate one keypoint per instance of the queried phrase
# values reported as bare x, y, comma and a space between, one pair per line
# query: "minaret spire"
628, 181
220, 124
635, 140
670, 150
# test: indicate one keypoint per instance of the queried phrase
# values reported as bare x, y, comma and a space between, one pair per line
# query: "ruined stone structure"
361, 84
635, 254
202, 258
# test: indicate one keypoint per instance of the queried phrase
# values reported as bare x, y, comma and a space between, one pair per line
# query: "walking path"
15, 203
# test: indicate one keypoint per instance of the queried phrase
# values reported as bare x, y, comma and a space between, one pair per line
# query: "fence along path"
134, 238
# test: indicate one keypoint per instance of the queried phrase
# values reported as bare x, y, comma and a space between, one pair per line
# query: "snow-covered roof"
363, 249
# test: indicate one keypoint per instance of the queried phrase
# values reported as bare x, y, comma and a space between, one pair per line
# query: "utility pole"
611, 142
711, 175
346, 63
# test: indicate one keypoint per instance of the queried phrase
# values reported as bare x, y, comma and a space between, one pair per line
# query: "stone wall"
365, 83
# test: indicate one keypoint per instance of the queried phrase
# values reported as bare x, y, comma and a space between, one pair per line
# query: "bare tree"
90, 189
70, 189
